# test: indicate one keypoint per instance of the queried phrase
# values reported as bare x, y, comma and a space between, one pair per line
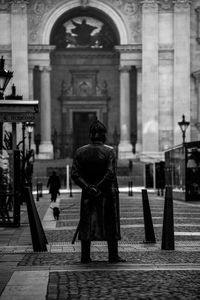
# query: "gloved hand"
93, 191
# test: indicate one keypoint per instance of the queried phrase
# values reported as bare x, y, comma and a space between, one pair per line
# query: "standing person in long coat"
54, 186
94, 170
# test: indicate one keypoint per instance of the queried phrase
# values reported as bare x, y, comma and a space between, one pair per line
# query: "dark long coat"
95, 164
53, 184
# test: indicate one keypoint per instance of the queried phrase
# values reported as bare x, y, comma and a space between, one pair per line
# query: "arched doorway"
84, 79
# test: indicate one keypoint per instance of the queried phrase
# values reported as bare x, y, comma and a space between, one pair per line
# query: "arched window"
83, 31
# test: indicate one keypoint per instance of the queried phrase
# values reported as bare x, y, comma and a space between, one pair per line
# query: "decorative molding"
40, 48
166, 53
166, 47
133, 48
87, 55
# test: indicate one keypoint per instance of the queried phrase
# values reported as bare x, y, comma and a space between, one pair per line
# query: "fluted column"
139, 110
125, 149
46, 147
150, 136
181, 66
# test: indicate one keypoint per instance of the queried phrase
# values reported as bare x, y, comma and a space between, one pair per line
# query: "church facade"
132, 64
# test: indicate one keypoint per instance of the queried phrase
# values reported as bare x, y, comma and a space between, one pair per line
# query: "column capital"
124, 69
45, 69
149, 5
181, 4
18, 6
166, 4
138, 68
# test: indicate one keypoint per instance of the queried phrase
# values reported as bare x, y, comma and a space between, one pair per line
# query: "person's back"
94, 171
94, 161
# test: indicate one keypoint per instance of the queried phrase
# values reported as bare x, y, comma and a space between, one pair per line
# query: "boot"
85, 252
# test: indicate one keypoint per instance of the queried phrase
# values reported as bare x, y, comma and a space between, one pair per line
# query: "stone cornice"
87, 55
40, 48
129, 48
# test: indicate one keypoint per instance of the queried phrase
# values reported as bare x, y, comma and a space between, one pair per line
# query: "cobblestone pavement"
148, 273
124, 285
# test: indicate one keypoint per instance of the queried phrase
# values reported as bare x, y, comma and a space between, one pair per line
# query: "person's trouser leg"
113, 252
85, 251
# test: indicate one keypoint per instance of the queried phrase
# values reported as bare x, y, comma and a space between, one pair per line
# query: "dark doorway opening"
81, 124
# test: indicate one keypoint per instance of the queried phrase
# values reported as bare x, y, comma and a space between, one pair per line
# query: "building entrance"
81, 124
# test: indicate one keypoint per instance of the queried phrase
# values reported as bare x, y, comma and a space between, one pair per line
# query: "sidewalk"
149, 273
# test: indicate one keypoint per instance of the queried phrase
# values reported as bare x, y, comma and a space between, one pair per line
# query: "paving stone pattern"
136, 257
118, 285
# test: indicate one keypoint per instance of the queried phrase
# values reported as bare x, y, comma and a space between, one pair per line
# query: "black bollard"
168, 222
39, 240
148, 224
130, 188
70, 188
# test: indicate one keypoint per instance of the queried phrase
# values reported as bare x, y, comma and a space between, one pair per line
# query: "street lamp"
5, 77
29, 126
183, 126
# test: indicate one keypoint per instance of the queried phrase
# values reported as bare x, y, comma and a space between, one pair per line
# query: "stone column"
139, 111
150, 135
196, 76
46, 147
125, 148
31, 97
19, 42
181, 66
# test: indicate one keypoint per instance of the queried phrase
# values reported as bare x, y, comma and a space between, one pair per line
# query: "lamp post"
29, 126
183, 126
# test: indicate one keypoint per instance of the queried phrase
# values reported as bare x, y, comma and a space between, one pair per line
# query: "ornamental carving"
182, 4
84, 84
4, 5
128, 7
166, 4
19, 6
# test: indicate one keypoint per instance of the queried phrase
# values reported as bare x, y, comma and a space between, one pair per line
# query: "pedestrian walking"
94, 170
54, 186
